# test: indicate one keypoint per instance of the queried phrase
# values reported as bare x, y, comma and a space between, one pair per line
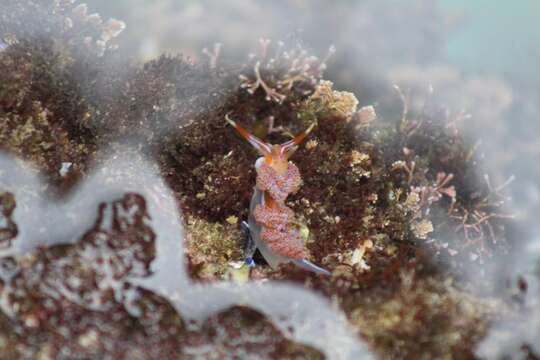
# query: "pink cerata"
271, 223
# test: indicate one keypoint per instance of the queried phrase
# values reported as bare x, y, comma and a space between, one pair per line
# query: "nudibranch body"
271, 222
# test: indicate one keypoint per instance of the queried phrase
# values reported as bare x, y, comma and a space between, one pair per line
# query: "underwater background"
123, 188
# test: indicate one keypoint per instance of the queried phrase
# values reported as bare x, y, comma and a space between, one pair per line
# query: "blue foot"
249, 262
249, 244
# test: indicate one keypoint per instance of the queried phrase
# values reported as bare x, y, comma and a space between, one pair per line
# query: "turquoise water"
497, 37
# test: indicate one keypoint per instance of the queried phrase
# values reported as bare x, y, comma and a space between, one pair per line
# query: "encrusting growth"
271, 222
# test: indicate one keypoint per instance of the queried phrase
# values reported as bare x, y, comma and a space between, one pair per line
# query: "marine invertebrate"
172, 109
271, 222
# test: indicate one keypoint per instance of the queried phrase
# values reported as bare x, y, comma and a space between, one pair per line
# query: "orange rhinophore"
271, 222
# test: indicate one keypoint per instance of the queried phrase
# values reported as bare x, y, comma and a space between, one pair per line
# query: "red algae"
393, 207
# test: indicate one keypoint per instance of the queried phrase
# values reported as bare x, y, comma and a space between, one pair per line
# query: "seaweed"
393, 205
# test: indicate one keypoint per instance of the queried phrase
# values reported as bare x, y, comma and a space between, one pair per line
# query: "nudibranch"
271, 225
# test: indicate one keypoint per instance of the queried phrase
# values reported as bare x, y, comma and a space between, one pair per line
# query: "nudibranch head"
275, 156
